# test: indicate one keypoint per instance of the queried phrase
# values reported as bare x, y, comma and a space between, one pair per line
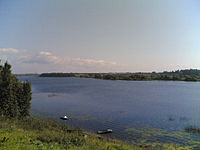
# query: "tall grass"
36, 133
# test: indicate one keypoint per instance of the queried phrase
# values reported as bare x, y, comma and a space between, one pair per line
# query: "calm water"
135, 110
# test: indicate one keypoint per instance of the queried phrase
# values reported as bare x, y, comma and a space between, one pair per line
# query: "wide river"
137, 111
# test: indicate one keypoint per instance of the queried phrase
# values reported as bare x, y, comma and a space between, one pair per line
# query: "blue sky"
100, 35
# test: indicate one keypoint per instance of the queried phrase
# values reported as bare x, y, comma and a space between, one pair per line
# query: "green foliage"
15, 96
51, 135
35, 133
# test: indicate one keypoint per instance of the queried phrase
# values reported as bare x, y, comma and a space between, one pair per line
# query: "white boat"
64, 118
104, 131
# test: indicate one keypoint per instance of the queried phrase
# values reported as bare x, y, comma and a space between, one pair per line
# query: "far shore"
192, 75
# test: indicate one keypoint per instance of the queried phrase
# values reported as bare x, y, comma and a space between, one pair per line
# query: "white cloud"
45, 57
44, 61
41, 58
92, 61
9, 50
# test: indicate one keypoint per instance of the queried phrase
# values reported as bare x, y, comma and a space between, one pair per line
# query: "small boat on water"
64, 118
52, 95
105, 131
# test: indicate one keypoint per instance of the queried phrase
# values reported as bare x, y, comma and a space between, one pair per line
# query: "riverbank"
36, 133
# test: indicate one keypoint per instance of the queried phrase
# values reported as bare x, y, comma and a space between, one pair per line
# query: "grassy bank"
34, 133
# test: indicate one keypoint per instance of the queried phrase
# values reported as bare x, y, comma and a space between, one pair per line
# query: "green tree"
25, 101
15, 96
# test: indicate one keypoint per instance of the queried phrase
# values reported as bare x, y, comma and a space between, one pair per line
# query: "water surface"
135, 110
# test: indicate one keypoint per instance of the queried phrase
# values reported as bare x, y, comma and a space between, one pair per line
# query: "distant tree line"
15, 96
178, 75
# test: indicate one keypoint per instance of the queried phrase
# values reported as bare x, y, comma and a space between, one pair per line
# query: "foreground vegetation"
179, 75
33, 133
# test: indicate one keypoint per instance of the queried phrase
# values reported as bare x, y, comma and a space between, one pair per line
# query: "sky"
100, 35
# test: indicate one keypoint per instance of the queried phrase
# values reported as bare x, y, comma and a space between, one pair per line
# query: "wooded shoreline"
179, 75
